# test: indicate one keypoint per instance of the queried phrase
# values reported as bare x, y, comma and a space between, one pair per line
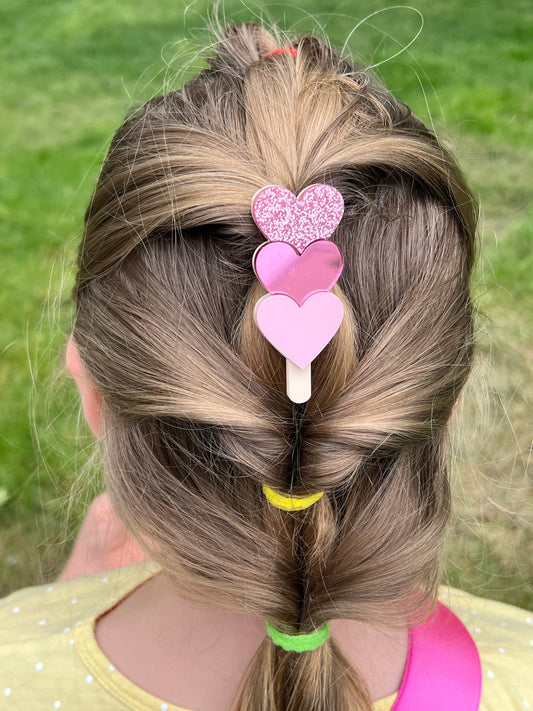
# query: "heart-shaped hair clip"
298, 266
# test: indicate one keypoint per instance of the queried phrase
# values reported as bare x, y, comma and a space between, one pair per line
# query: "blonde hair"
195, 411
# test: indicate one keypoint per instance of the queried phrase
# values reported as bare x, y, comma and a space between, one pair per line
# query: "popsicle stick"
298, 382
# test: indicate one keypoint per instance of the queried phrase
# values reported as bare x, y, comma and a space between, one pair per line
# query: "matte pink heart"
282, 270
299, 333
283, 217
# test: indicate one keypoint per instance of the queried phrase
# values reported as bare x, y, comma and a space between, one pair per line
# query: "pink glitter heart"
282, 270
299, 333
283, 217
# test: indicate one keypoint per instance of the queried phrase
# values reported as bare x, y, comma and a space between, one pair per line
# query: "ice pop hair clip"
298, 266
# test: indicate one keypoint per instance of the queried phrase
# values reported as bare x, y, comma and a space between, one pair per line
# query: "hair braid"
196, 414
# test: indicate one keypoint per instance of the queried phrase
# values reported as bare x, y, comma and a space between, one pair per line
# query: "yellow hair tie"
290, 503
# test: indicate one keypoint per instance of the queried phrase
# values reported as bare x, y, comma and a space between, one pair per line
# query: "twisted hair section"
195, 411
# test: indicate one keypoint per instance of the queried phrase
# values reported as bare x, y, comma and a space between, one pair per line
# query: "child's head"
195, 413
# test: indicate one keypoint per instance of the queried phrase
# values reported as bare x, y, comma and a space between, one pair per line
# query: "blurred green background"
71, 70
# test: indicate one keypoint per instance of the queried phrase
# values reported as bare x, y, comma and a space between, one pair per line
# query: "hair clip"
298, 266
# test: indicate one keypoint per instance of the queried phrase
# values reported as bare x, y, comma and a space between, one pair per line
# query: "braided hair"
196, 415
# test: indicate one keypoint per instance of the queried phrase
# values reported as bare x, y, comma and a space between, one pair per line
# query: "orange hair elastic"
282, 50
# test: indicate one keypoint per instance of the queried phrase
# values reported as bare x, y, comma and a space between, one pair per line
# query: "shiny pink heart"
282, 270
299, 333
283, 217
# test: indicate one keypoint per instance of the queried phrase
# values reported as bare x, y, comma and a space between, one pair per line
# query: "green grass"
70, 72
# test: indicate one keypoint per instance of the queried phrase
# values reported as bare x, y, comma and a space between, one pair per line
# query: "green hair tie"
298, 642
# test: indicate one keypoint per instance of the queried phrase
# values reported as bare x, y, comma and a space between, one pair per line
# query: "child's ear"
91, 400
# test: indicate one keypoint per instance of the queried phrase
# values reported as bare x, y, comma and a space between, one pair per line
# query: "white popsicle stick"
298, 381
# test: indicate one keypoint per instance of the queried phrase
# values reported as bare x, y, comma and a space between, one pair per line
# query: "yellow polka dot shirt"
49, 658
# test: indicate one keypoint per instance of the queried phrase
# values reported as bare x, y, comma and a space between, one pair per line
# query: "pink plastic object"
443, 670
282, 270
299, 333
283, 217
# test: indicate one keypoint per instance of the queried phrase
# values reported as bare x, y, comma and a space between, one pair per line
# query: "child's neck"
194, 656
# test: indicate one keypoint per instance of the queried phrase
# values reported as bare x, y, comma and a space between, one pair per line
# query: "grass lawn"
71, 69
